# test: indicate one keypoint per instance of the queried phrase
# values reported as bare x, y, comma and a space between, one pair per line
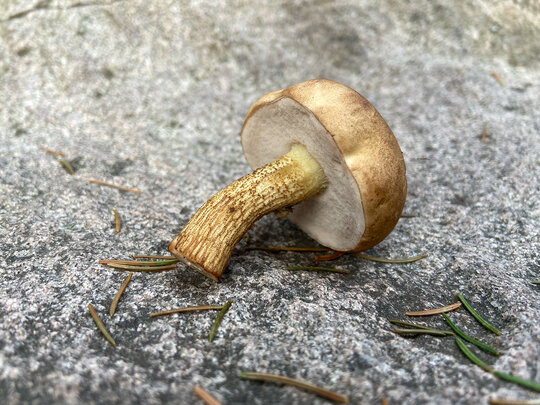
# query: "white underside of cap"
333, 217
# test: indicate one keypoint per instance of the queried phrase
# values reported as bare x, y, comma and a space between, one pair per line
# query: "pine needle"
532, 385
331, 256
434, 311
287, 248
117, 223
418, 331
218, 320
52, 152
471, 356
66, 165
315, 268
395, 261
205, 396
116, 298
295, 383
103, 183
148, 269
186, 309
503, 401
469, 339
476, 316
408, 324
100, 325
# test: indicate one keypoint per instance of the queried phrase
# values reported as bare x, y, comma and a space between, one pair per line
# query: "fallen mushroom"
324, 157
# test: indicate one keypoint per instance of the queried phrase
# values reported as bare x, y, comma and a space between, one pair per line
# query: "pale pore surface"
334, 217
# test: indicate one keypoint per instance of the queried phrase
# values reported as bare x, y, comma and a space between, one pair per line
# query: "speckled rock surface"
152, 95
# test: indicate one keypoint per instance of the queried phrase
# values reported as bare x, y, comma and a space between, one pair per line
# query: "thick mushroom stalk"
207, 241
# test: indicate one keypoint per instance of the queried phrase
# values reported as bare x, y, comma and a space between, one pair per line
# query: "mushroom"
322, 156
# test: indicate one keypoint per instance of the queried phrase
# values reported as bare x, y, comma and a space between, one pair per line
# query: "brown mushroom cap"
356, 149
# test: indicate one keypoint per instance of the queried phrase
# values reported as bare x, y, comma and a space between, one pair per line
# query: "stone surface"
152, 94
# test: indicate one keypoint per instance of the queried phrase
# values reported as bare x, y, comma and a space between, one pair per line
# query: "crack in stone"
44, 5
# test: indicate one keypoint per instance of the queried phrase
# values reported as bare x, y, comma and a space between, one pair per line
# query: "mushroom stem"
207, 241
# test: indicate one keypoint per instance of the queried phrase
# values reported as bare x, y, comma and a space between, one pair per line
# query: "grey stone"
152, 95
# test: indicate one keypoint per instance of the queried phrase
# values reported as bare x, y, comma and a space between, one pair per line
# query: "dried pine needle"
155, 257
295, 383
395, 261
116, 298
408, 324
100, 325
469, 339
384, 401
186, 309
434, 311
287, 248
503, 401
418, 331
141, 263
484, 134
218, 320
331, 256
148, 269
205, 396
117, 223
316, 268
52, 152
103, 183
66, 165
476, 316
497, 78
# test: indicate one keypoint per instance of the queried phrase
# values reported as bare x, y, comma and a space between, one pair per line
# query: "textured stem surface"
207, 241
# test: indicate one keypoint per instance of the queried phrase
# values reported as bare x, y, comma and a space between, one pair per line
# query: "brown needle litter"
100, 325
217, 322
396, 261
316, 268
186, 309
103, 183
504, 401
205, 396
295, 383
142, 266
483, 139
331, 256
116, 298
52, 152
287, 248
117, 223
435, 311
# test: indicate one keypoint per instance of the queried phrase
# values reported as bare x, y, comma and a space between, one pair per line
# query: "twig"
116, 298
476, 316
295, 383
217, 322
384, 260
186, 309
102, 183
469, 339
100, 325
434, 311
52, 152
308, 268
418, 331
205, 396
117, 223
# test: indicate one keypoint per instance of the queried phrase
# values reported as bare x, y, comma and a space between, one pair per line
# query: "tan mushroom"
323, 154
